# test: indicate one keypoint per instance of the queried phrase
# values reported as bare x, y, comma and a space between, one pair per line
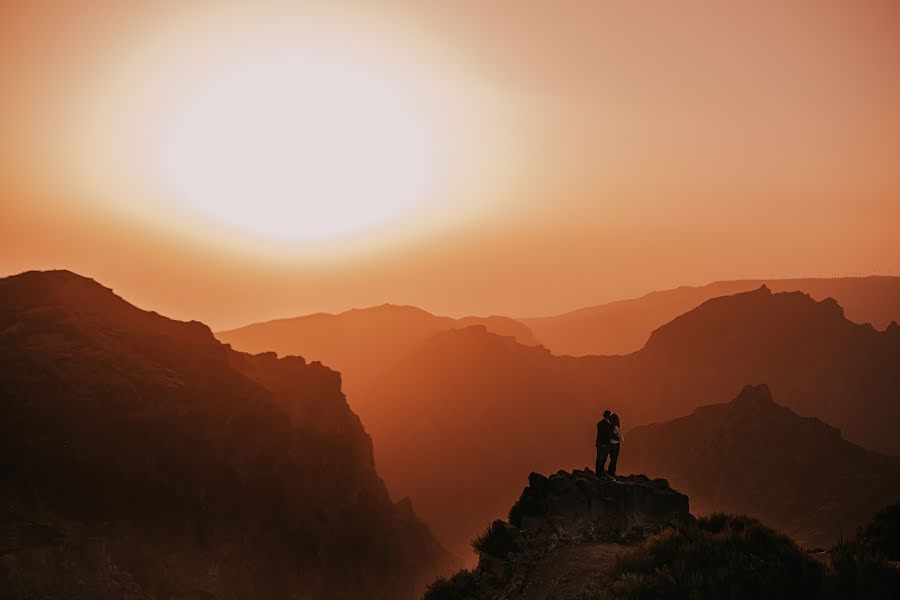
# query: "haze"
508, 157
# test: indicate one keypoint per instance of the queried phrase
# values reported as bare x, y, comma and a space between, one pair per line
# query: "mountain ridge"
509, 408
754, 456
623, 326
141, 457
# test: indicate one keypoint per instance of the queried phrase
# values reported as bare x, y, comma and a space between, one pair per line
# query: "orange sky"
581, 154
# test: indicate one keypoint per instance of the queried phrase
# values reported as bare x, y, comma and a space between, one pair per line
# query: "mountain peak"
749, 315
818, 486
61, 295
58, 280
754, 396
122, 422
389, 308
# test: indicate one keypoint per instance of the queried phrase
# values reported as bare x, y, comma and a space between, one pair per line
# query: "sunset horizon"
422, 300
501, 178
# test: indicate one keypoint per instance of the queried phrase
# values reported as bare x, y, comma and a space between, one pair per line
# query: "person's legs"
602, 453
613, 458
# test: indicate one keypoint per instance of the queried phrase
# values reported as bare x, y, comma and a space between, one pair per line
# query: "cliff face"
579, 506
753, 456
139, 457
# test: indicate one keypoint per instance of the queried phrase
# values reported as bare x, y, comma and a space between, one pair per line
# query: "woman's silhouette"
615, 443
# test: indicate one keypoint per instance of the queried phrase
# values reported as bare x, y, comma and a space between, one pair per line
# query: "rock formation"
142, 458
576, 510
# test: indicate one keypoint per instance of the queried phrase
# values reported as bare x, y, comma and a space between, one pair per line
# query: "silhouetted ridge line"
624, 326
140, 457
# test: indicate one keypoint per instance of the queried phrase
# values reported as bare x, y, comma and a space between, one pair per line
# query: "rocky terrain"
577, 536
572, 524
142, 458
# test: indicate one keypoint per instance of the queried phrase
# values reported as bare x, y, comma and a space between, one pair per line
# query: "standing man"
604, 439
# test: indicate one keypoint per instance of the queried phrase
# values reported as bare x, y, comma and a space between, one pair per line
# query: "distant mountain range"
818, 362
624, 326
360, 343
752, 456
468, 413
459, 415
140, 457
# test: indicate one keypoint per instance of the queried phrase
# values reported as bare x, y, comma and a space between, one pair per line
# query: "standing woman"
615, 443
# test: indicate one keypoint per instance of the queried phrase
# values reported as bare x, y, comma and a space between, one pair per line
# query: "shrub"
882, 535
461, 586
483, 542
860, 568
720, 556
499, 539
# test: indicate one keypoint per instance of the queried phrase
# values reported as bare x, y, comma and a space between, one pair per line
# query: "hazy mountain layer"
348, 341
469, 413
624, 326
752, 456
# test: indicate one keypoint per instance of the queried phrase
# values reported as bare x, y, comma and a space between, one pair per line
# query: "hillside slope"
141, 458
814, 358
752, 456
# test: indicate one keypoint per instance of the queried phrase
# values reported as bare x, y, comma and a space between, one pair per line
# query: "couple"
609, 440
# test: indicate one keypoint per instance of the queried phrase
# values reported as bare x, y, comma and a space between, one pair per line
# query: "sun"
287, 135
296, 147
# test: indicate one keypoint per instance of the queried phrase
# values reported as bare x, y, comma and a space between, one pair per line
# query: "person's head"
606, 414
614, 419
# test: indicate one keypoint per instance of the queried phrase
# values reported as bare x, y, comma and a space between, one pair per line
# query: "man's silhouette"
604, 439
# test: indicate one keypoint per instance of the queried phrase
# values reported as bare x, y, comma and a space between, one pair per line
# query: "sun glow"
272, 131
297, 147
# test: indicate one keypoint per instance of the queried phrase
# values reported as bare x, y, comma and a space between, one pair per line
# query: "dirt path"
571, 571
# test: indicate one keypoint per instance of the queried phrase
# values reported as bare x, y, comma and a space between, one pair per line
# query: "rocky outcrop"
583, 507
571, 509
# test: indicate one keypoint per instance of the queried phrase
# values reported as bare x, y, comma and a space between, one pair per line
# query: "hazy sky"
237, 162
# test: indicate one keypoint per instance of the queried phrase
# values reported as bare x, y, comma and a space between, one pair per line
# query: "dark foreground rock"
563, 510
142, 459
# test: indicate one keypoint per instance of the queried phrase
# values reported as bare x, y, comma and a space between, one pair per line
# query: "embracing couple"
609, 441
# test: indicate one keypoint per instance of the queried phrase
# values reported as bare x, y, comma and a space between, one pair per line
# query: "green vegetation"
882, 535
860, 567
721, 556
483, 543
728, 557
735, 557
461, 586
